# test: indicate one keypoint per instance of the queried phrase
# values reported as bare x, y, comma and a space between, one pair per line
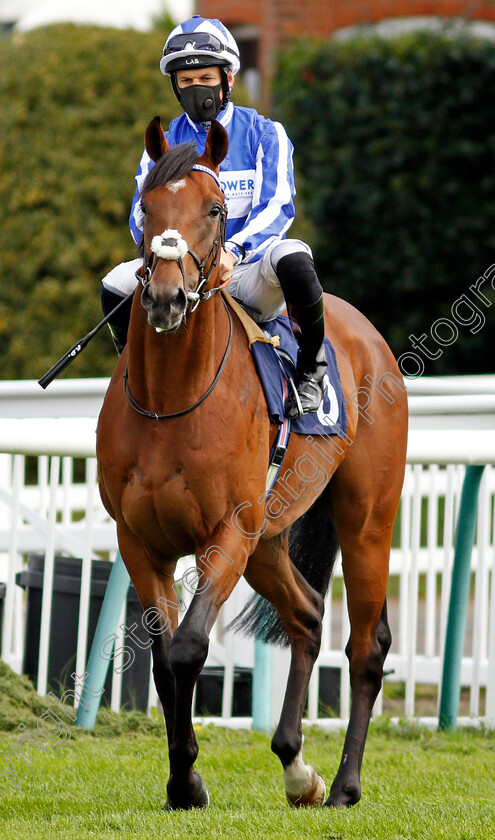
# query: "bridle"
171, 246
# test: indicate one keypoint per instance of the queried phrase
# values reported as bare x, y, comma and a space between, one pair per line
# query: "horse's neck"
170, 372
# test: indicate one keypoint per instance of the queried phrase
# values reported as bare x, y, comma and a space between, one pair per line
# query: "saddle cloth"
274, 351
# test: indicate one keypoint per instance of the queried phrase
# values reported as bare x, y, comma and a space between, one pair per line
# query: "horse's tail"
313, 546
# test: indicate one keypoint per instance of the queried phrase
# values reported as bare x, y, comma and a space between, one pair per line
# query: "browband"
208, 171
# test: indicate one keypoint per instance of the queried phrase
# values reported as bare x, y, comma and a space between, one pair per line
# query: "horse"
183, 445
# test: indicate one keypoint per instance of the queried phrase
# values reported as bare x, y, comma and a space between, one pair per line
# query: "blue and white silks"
257, 177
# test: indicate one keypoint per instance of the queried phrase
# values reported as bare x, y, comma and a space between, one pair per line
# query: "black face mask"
201, 102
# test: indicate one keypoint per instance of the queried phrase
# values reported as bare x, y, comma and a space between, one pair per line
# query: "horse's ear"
217, 144
155, 141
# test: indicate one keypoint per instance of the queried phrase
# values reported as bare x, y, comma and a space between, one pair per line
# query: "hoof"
312, 797
344, 796
201, 801
192, 795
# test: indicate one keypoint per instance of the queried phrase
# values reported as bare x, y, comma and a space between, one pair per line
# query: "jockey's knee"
287, 247
122, 279
293, 264
120, 282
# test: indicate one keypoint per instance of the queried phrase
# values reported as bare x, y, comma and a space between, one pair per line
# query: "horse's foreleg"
219, 568
366, 582
159, 602
271, 573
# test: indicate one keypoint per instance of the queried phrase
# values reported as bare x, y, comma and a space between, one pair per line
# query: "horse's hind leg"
366, 669
271, 573
364, 526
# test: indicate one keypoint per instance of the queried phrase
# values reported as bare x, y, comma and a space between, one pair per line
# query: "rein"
151, 414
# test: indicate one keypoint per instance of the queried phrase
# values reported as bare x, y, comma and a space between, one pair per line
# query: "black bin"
329, 693
63, 629
210, 687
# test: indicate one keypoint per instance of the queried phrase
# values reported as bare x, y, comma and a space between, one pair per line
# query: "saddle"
274, 351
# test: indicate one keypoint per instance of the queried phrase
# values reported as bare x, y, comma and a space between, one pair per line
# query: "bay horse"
183, 445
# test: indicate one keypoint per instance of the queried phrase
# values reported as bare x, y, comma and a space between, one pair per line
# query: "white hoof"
304, 788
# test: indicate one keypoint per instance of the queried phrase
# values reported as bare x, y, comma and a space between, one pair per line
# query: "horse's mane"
172, 166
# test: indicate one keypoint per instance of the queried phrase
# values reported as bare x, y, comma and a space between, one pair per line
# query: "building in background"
135, 14
262, 27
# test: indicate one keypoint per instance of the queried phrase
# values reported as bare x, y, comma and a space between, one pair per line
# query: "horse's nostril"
179, 302
146, 299
169, 298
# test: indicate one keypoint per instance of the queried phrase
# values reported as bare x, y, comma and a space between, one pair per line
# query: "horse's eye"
215, 211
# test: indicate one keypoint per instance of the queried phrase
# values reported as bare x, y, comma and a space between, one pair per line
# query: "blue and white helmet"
199, 42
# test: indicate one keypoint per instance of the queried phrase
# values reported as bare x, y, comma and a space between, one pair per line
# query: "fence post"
490, 688
262, 686
97, 667
459, 598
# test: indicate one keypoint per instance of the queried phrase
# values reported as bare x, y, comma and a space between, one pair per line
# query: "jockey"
269, 272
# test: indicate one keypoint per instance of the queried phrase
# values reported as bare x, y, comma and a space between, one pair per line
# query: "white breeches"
254, 284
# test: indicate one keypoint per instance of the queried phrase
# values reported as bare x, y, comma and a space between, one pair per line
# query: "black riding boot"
304, 297
119, 324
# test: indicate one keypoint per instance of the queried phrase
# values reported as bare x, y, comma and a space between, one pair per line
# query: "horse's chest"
182, 501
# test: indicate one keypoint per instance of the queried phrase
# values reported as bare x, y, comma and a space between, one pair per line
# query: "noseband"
171, 246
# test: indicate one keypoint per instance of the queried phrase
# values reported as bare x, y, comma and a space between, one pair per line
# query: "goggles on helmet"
198, 40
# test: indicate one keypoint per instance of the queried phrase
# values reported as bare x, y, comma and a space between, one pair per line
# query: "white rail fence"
49, 504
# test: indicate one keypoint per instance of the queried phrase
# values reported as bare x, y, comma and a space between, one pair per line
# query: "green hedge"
395, 155
74, 104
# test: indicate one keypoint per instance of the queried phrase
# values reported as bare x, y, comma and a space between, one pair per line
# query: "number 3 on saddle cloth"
274, 350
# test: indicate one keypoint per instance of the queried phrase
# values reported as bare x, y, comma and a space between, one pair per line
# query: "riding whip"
74, 351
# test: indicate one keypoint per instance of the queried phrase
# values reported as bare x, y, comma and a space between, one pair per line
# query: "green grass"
417, 785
